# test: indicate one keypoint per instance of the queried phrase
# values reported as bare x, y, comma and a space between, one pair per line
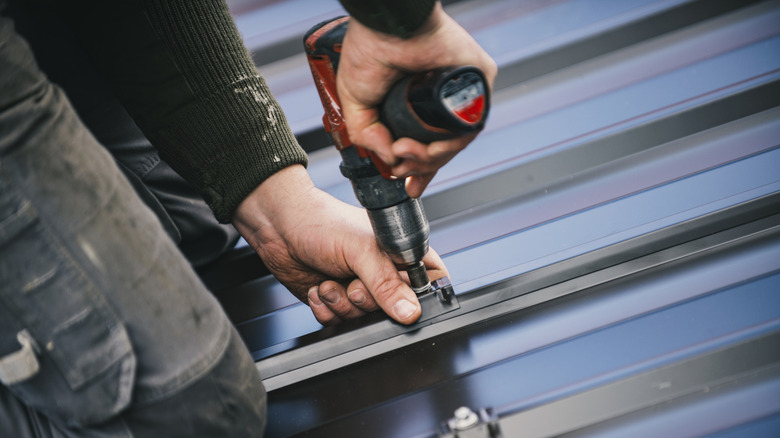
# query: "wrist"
257, 216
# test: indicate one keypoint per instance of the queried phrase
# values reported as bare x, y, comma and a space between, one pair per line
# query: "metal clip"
441, 299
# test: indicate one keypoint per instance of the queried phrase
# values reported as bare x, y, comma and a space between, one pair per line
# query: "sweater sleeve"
398, 17
183, 73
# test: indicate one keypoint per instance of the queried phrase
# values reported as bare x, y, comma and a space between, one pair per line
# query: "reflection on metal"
749, 363
613, 236
649, 252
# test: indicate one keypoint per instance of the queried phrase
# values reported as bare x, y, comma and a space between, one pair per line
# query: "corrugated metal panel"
617, 220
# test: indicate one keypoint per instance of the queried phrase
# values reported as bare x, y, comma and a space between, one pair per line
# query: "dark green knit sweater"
397, 17
183, 73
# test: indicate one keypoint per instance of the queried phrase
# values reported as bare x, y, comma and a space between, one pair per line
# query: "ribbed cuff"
227, 145
233, 135
184, 74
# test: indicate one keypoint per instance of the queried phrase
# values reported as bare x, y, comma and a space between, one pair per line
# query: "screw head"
464, 418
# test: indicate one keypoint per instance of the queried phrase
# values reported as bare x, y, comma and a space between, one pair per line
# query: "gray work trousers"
105, 330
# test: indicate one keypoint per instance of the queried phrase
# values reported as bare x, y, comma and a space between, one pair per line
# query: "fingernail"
331, 296
313, 297
404, 309
357, 296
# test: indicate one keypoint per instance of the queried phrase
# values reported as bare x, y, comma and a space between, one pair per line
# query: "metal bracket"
439, 300
469, 424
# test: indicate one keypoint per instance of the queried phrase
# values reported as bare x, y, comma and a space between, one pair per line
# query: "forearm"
399, 17
180, 68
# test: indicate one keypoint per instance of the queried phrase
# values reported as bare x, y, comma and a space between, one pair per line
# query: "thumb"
385, 284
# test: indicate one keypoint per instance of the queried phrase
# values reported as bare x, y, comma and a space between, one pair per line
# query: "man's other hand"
371, 62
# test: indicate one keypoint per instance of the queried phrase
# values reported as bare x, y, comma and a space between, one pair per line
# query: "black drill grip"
437, 105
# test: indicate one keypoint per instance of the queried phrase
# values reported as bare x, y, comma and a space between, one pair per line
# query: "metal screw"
464, 418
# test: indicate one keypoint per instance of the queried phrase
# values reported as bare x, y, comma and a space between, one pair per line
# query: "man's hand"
316, 246
371, 62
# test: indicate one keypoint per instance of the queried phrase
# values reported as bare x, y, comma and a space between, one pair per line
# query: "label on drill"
464, 97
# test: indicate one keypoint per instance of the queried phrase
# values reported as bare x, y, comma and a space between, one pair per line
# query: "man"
105, 330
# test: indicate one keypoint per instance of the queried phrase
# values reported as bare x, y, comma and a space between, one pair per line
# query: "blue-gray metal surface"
524, 360
612, 121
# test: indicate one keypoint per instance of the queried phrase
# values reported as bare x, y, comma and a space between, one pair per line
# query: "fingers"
421, 161
331, 303
385, 285
421, 158
366, 130
416, 184
435, 265
408, 156
321, 311
358, 294
388, 290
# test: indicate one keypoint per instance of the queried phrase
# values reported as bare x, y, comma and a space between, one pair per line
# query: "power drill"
435, 105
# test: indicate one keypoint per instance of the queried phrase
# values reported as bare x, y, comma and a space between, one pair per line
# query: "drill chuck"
399, 222
402, 231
